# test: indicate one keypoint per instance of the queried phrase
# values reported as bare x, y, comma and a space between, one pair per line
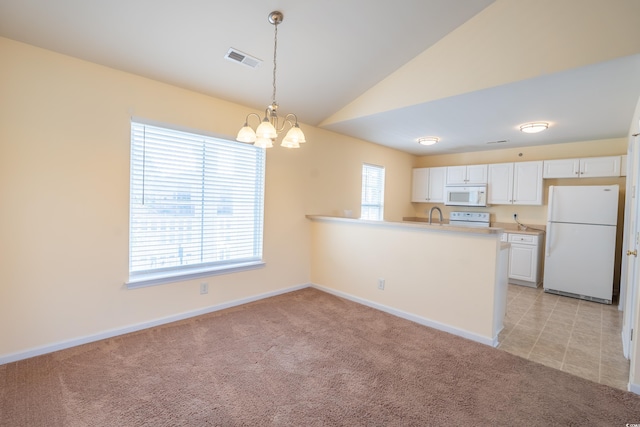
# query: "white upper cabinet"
623, 165
564, 168
436, 184
588, 167
515, 183
420, 185
500, 188
456, 174
428, 185
527, 183
600, 166
471, 174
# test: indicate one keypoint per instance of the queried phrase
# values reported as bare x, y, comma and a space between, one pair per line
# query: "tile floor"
575, 336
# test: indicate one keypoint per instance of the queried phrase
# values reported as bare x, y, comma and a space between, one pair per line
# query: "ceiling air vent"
235, 55
502, 141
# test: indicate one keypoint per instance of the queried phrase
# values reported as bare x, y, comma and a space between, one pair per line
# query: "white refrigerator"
581, 241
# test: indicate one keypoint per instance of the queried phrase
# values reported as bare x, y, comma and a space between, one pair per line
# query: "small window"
372, 192
196, 205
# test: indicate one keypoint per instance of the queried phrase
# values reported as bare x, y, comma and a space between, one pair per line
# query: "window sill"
152, 279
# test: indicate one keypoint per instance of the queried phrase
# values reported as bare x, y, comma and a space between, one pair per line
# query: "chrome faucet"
431, 213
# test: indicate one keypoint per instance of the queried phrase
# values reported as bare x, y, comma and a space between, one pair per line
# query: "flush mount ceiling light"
269, 128
534, 127
428, 140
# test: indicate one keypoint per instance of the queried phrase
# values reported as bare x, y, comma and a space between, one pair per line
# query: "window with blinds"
196, 205
372, 192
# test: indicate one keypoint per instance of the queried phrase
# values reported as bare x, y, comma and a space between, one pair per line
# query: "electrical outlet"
204, 288
381, 284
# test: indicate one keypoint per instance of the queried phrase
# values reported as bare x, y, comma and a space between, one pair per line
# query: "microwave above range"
468, 195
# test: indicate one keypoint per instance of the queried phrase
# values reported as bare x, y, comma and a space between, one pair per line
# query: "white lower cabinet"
525, 259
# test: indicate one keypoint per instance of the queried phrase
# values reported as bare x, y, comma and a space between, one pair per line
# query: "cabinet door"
456, 174
623, 165
420, 185
599, 166
500, 188
437, 178
527, 183
563, 168
523, 262
476, 174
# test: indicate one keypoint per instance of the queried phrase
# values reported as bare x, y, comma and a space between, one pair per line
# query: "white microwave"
470, 195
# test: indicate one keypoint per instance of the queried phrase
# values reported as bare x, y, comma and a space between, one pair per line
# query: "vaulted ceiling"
469, 72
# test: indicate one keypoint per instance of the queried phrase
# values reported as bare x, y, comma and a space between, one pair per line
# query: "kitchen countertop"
505, 226
515, 228
421, 224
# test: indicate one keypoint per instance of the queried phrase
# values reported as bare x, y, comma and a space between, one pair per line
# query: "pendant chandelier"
269, 128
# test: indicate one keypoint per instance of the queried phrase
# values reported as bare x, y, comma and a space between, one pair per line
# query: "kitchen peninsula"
446, 277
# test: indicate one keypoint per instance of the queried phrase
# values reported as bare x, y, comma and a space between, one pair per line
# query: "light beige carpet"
302, 359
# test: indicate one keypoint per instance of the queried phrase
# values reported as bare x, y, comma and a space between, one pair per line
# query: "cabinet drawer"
528, 239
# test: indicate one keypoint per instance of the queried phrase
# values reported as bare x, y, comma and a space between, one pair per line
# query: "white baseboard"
412, 317
37, 351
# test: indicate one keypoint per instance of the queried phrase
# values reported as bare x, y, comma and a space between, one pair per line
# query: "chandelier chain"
275, 49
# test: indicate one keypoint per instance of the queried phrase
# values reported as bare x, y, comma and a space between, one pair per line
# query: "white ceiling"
329, 53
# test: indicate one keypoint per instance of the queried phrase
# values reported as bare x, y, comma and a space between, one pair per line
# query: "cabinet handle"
634, 253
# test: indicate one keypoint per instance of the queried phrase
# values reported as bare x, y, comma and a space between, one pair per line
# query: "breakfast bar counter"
447, 277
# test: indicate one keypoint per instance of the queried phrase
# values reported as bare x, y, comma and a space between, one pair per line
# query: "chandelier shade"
246, 134
266, 130
263, 143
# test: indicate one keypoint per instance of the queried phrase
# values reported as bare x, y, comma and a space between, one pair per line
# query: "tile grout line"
564, 356
600, 352
515, 297
543, 326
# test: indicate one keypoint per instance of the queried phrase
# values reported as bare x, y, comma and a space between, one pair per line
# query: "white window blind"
372, 192
196, 204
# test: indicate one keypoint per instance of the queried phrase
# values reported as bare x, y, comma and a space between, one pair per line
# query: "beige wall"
64, 188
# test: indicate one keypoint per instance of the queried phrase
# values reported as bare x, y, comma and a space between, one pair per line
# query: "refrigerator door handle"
550, 216
547, 249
